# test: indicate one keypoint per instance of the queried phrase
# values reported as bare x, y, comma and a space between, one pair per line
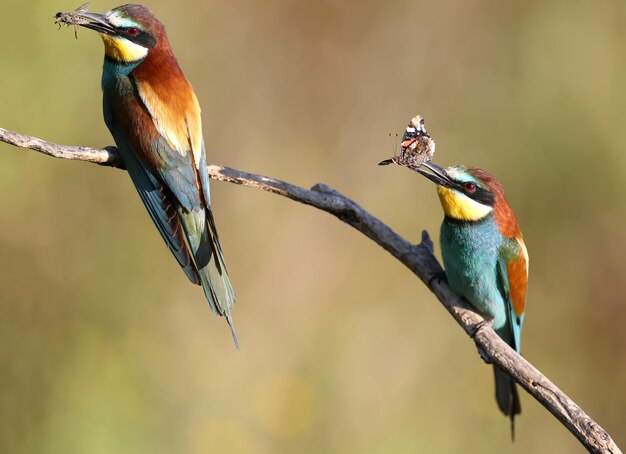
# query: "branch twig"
418, 258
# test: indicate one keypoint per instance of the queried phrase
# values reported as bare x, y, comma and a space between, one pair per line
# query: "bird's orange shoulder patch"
170, 99
169, 113
517, 273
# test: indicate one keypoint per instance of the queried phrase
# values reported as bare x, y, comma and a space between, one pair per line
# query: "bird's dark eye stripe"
139, 36
479, 194
483, 196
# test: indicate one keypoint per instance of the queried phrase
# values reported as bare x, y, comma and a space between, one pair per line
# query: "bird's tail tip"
507, 397
229, 320
512, 427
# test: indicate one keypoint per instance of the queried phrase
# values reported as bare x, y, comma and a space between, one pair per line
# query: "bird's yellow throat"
122, 50
460, 207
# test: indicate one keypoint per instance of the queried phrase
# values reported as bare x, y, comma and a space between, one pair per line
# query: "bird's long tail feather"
209, 260
507, 396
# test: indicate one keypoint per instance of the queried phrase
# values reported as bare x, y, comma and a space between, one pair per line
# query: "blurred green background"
106, 347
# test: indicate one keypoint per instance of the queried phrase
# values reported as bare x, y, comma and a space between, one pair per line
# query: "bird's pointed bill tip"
434, 173
94, 21
386, 162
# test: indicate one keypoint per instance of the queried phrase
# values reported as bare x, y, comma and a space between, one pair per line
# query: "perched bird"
154, 117
485, 258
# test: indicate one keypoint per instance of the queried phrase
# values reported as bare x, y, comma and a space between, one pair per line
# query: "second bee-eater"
485, 257
154, 117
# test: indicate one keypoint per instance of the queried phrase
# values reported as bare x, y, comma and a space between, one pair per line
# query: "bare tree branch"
108, 156
419, 258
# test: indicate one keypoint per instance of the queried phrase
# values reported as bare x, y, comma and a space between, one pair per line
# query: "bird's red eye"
133, 31
469, 186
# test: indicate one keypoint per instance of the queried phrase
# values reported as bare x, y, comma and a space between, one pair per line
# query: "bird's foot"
439, 276
477, 327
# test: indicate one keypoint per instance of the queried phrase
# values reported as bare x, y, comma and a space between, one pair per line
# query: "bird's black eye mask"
475, 192
137, 36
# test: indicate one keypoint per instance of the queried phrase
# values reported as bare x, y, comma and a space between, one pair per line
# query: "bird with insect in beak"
485, 257
153, 114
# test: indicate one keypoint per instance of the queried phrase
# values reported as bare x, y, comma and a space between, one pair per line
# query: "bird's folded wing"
181, 153
513, 273
178, 151
179, 158
159, 202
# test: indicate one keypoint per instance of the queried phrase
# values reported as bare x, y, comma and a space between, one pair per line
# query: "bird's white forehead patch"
459, 174
116, 19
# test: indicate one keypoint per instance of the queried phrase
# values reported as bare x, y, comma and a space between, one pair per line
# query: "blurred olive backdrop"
106, 347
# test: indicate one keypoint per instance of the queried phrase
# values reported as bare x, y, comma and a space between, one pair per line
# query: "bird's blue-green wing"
513, 275
178, 173
158, 201
511, 269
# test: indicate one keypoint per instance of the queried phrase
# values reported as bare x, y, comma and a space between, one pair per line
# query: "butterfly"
416, 148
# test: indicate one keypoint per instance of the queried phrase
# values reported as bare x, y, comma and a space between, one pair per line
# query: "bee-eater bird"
485, 257
153, 114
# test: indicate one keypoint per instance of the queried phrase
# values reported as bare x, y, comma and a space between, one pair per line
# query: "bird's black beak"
97, 22
435, 174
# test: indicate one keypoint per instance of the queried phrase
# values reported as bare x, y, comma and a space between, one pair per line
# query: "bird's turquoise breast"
116, 87
112, 71
470, 254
